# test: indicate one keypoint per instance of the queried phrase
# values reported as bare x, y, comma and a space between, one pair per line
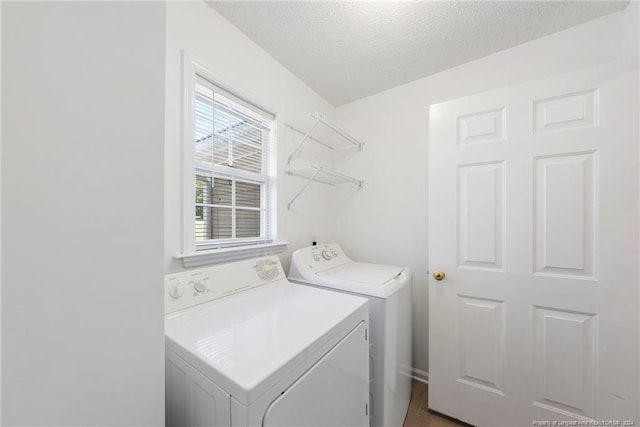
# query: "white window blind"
232, 186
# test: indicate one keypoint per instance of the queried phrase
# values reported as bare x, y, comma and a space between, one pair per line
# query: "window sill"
219, 256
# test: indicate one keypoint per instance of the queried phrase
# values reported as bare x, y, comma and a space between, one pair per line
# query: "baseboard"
420, 375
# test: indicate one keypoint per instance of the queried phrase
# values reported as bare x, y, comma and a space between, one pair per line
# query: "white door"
533, 218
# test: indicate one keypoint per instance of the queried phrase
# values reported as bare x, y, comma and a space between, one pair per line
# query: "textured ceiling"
346, 50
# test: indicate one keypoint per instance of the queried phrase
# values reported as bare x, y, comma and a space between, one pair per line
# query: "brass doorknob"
438, 274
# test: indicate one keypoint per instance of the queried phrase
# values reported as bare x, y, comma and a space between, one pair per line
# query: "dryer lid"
249, 341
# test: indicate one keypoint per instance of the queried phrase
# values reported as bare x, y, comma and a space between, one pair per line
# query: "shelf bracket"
340, 132
304, 187
304, 138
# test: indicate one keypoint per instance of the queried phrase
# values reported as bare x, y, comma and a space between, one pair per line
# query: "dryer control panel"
313, 259
188, 288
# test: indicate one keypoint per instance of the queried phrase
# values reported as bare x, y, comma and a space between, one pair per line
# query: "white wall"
243, 67
632, 44
82, 213
387, 221
0, 214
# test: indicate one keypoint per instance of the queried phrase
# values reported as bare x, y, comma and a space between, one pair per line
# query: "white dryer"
245, 347
388, 289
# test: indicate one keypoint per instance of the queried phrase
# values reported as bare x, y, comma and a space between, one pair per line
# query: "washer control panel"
313, 259
188, 288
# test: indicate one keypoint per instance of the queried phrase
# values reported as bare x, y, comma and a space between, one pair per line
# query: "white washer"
388, 289
245, 347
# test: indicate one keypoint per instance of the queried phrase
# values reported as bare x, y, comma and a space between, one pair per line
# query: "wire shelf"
323, 133
320, 174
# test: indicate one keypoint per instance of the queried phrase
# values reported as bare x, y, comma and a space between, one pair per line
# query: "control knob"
326, 255
267, 269
176, 291
199, 286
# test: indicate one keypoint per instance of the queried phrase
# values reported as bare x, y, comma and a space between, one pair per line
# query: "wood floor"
419, 415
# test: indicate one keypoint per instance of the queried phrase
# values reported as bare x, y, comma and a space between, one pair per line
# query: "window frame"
222, 250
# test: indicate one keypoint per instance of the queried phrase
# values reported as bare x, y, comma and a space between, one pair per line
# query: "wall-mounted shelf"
318, 130
323, 175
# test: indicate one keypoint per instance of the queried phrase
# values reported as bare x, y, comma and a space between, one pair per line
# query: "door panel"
565, 214
481, 127
533, 216
480, 216
565, 381
482, 343
565, 112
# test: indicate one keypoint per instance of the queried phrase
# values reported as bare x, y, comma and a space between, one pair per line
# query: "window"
233, 138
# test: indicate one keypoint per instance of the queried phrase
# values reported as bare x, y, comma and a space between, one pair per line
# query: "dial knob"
316, 257
326, 255
267, 269
176, 291
199, 286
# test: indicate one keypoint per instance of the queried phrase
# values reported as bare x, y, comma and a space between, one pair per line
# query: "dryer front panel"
333, 393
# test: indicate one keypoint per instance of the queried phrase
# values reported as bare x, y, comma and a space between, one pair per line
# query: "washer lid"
362, 272
246, 342
363, 278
